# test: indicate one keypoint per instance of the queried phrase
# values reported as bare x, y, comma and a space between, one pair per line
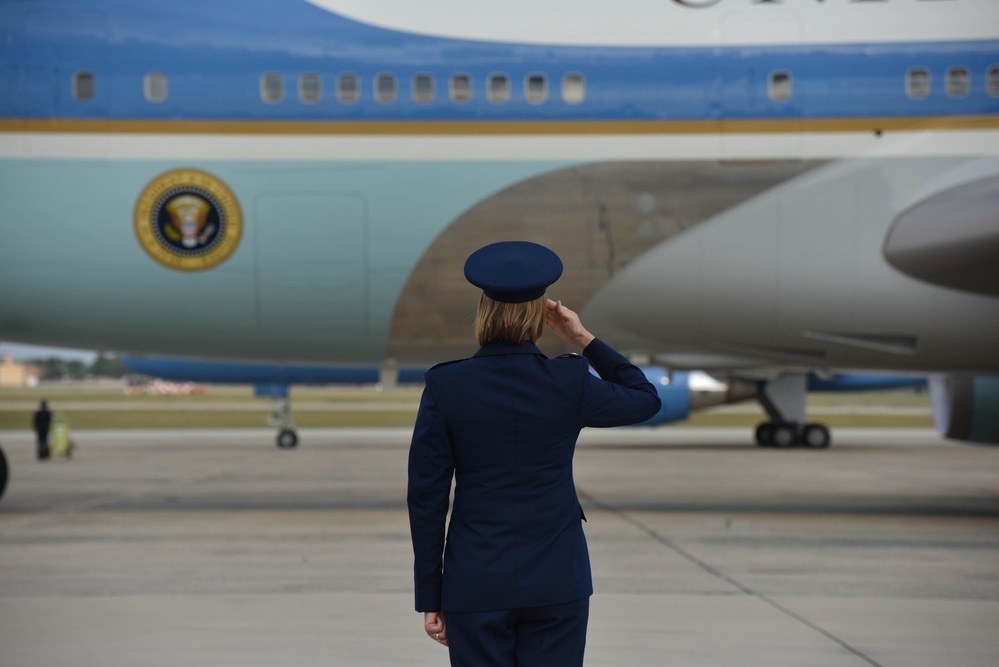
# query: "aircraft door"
311, 266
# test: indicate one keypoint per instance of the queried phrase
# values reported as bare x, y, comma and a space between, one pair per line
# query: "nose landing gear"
287, 436
287, 439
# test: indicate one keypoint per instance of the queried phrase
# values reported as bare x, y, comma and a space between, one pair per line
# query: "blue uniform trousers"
549, 636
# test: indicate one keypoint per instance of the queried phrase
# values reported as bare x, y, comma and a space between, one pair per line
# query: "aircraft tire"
765, 434
785, 435
4, 471
816, 436
287, 439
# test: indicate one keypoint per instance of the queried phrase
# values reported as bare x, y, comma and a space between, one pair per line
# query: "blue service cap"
513, 271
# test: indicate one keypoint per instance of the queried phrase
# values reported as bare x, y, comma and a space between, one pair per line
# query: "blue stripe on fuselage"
234, 372
214, 53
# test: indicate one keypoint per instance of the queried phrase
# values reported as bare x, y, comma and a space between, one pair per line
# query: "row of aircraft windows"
957, 84
348, 88
460, 88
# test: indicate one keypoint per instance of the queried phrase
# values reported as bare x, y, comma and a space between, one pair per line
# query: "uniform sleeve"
431, 467
622, 394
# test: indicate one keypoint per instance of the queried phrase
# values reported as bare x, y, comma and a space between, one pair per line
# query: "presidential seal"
188, 220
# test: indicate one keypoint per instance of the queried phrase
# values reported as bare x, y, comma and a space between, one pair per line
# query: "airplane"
756, 196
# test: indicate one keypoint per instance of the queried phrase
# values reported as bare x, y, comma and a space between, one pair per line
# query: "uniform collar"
493, 349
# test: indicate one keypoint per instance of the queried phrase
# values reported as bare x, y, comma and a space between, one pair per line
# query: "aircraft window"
958, 82
154, 87
84, 86
461, 88
917, 83
536, 88
347, 88
423, 88
499, 88
573, 88
992, 81
385, 88
781, 86
271, 87
309, 88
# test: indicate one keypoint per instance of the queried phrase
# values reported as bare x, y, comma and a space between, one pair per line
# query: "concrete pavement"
216, 548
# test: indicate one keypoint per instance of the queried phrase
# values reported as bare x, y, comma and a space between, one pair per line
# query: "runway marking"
686, 555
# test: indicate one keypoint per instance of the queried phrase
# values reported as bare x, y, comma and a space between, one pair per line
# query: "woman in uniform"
511, 584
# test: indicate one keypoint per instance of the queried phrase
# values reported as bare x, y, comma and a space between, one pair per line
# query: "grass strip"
139, 419
104, 393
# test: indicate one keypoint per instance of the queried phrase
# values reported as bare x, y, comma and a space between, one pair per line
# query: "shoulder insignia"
446, 363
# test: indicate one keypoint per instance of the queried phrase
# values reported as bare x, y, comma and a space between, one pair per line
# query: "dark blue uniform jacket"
504, 424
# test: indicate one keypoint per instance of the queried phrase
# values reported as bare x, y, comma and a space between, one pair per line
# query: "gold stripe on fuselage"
501, 127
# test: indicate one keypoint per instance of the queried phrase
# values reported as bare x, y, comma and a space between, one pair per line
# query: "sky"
24, 352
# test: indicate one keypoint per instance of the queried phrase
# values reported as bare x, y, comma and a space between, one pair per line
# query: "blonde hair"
498, 322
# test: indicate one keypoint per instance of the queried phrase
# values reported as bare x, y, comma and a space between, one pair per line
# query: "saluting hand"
433, 625
566, 325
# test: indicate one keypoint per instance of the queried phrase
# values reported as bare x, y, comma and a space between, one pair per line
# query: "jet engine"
966, 407
683, 391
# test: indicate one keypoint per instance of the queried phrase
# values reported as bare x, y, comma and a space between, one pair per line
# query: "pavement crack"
715, 572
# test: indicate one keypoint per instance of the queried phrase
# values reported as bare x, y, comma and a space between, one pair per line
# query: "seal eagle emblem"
188, 219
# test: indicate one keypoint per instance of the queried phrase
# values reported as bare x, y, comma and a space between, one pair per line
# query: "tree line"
55, 368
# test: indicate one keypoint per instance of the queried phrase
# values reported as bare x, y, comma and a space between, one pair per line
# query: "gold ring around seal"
188, 219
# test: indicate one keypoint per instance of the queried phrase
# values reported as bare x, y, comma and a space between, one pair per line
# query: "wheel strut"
287, 437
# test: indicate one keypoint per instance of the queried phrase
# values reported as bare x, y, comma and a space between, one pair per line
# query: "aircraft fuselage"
716, 204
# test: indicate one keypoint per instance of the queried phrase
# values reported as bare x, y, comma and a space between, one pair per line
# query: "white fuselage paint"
588, 147
681, 22
747, 277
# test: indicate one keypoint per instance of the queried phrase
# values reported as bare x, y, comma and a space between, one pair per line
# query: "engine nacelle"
673, 391
966, 407
683, 391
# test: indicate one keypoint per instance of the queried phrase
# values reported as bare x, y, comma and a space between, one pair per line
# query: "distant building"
13, 374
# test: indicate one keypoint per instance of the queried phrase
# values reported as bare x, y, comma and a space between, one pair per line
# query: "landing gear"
286, 439
788, 434
785, 435
765, 434
287, 436
3, 473
784, 400
816, 436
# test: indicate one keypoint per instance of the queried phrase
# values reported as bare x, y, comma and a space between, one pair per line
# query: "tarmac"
200, 547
